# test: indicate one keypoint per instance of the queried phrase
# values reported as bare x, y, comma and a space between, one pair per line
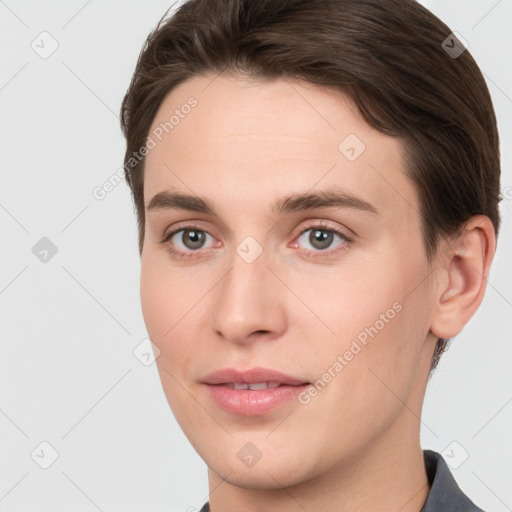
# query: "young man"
317, 209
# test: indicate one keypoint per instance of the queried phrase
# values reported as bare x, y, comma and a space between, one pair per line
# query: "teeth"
258, 385
253, 386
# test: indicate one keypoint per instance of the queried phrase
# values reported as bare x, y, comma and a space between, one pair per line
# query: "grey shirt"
444, 496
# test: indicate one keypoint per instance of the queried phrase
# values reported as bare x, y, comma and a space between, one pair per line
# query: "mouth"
255, 385
252, 392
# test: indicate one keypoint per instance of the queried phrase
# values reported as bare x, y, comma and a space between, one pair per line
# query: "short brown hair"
387, 55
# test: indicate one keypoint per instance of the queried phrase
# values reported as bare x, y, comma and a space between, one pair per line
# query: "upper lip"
258, 374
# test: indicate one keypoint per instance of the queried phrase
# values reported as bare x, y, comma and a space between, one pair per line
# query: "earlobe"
465, 268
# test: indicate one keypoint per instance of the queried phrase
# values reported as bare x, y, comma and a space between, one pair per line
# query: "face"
331, 289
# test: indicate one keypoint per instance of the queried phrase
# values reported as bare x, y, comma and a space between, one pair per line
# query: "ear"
463, 268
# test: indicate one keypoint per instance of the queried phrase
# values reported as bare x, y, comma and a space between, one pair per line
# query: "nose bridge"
247, 299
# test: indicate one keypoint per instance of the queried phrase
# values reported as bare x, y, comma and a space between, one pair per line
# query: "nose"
249, 302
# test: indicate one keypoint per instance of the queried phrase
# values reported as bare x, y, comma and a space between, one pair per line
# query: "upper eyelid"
315, 223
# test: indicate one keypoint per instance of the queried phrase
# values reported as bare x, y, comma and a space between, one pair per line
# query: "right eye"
188, 239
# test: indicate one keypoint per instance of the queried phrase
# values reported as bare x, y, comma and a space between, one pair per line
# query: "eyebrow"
293, 203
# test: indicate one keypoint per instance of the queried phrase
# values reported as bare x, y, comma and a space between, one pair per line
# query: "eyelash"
319, 226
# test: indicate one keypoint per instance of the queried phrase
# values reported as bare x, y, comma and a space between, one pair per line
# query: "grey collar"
444, 494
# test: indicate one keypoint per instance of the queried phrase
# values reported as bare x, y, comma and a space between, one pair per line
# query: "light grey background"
68, 374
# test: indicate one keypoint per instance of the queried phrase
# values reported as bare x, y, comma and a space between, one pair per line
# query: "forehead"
261, 138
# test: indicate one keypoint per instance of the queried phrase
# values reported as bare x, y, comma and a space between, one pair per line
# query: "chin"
281, 463
268, 474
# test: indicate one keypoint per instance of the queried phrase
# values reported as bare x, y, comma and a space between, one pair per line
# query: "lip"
249, 402
258, 374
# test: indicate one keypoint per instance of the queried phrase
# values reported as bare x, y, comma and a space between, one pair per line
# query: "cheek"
378, 320
169, 316
164, 300
380, 331
156, 303
173, 301
346, 301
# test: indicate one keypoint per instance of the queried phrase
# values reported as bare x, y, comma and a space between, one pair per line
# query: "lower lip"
248, 402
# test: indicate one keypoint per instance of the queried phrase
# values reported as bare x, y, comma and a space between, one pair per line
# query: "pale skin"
355, 446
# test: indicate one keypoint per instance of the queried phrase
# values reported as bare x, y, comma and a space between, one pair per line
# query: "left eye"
321, 238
